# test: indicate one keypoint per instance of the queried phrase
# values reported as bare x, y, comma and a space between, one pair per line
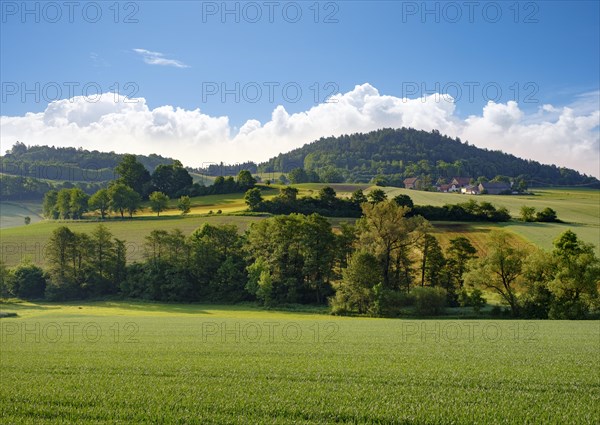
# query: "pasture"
578, 208
109, 362
12, 214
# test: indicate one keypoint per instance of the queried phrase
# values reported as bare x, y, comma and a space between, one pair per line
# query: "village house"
411, 183
443, 188
457, 183
495, 188
470, 190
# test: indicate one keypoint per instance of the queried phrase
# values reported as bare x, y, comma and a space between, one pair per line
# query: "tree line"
135, 184
328, 204
386, 263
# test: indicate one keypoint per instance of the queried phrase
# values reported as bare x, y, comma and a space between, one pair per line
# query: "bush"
568, 309
547, 215
27, 281
474, 299
537, 302
388, 303
429, 301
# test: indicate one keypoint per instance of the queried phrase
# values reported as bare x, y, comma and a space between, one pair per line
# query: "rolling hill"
400, 153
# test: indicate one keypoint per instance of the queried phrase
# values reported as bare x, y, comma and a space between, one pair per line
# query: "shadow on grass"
142, 306
23, 305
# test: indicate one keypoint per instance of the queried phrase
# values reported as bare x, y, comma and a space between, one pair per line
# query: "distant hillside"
68, 164
29, 172
406, 152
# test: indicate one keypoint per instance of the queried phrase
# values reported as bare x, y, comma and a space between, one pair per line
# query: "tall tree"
184, 204
500, 269
432, 259
458, 254
133, 201
49, 206
118, 197
245, 180
102, 258
578, 269
100, 201
376, 196
386, 231
356, 290
78, 203
158, 202
253, 198
132, 173
63, 203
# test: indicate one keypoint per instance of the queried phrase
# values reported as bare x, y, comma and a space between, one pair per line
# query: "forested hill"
406, 152
71, 164
30, 172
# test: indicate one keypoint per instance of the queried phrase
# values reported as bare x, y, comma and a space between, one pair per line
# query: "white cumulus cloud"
566, 136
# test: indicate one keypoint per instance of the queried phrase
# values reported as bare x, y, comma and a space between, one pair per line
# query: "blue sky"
183, 54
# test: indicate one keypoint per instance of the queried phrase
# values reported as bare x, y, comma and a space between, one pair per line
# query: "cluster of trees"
208, 265
73, 203
561, 284
169, 179
222, 169
223, 185
547, 215
466, 211
395, 253
287, 202
385, 263
326, 174
80, 265
401, 153
126, 194
328, 204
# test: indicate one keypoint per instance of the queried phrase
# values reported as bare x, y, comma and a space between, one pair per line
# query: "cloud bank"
566, 136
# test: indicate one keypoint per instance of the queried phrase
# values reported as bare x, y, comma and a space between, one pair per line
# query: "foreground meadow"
120, 362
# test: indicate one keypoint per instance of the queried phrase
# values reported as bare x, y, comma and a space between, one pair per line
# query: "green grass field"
12, 214
580, 208
232, 202
120, 362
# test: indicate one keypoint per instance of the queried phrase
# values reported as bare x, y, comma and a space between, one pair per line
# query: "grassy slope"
12, 213
578, 208
157, 363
